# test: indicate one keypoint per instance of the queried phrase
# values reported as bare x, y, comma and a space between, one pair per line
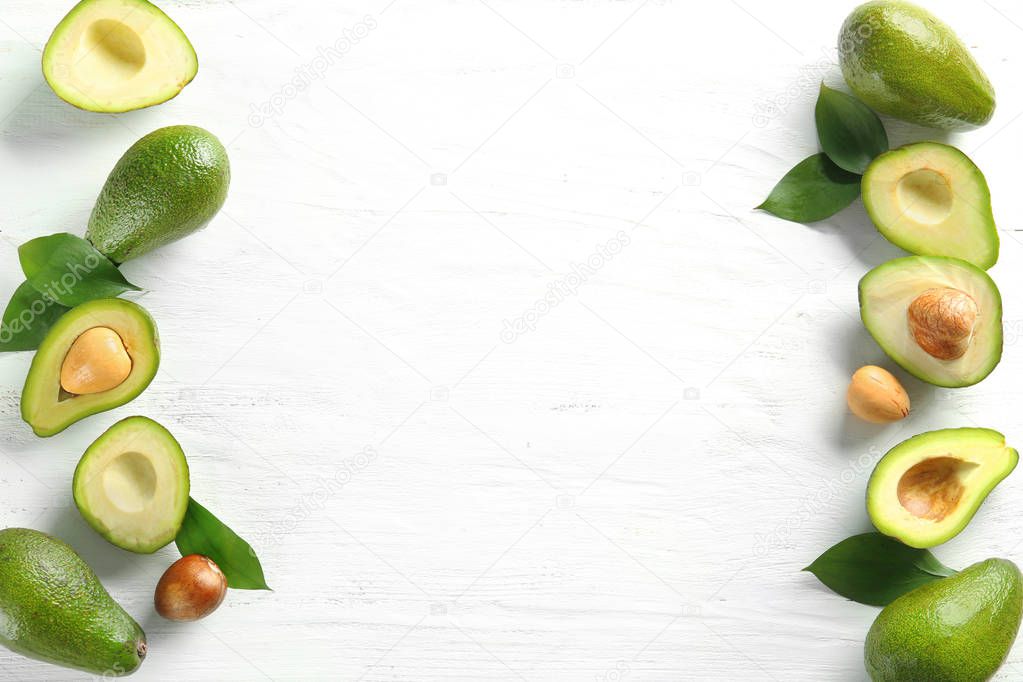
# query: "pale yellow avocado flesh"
886, 293
930, 199
46, 406
925, 490
118, 55
132, 485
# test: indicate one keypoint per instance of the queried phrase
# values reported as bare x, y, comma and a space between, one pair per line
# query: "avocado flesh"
118, 55
925, 490
54, 609
902, 61
168, 184
46, 407
887, 291
132, 485
957, 629
930, 199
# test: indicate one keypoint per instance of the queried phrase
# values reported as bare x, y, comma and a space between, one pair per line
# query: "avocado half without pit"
132, 485
930, 199
98, 356
926, 489
939, 318
118, 55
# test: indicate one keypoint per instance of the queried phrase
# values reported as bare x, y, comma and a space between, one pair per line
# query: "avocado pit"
96, 362
932, 488
943, 320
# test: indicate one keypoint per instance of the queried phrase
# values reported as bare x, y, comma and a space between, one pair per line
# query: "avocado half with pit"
98, 356
939, 318
118, 55
132, 485
931, 199
926, 489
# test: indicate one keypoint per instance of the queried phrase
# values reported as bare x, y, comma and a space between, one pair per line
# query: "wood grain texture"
625, 490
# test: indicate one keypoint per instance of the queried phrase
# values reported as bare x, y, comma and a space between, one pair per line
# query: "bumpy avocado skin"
54, 609
166, 186
904, 62
958, 629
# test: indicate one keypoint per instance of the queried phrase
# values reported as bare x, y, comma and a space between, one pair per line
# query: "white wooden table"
625, 487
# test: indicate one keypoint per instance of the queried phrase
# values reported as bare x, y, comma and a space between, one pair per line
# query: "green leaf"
70, 270
813, 190
28, 317
850, 133
203, 533
875, 569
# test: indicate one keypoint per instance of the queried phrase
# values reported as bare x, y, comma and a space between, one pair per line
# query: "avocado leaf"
70, 270
203, 533
813, 190
875, 569
850, 133
27, 319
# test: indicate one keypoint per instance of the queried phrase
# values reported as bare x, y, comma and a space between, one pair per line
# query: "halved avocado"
930, 199
47, 406
132, 485
939, 318
926, 489
118, 55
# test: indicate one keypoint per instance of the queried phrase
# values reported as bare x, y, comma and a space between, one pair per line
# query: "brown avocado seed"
942, 321
191, 589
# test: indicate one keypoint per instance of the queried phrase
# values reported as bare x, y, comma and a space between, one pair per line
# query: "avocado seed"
876, 396
96, 362
191, 589
942, 321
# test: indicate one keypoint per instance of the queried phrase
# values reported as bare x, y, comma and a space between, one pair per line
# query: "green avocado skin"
168, 184
958, 629
904, 62
54, 609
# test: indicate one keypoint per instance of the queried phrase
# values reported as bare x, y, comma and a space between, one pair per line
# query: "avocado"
54, 609
132, 485
117, 55
940, 318
957, 629
904, 62
926, 489
168, 184
98, 356
930, 199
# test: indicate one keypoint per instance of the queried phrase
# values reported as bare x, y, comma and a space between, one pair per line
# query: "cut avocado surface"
118, 55
71, 357
939, 318
132, 485
930, 199
926, 489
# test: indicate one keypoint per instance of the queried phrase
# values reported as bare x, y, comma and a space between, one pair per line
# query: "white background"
630, 490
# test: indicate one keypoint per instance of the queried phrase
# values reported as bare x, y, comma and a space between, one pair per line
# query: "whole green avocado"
168, 184
904, 62
957, 629
54, 609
